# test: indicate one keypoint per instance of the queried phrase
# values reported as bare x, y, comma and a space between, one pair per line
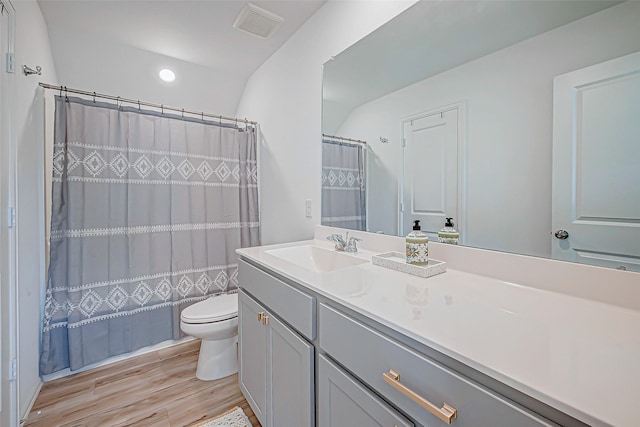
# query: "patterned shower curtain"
147, 212
343, 185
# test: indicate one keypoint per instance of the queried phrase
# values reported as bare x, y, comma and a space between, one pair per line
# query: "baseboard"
67, 372
32, 401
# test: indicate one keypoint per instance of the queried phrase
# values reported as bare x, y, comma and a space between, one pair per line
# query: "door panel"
291, 377
596, 190
430, 181
343, 402
252, 341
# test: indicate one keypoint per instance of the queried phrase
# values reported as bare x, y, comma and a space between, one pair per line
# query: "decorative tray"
398, 261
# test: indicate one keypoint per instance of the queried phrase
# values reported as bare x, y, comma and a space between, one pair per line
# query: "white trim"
9, 389
32, 401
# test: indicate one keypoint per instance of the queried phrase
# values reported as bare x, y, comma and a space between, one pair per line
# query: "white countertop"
577, 355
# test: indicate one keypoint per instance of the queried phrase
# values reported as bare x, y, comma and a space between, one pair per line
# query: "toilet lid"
214, 309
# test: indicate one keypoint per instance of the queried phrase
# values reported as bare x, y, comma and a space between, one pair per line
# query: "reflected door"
430, 179
596, 165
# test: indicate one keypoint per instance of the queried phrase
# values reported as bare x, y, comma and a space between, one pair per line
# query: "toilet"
215, 322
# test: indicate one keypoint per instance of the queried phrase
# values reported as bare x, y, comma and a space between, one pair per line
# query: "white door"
596, 164
430, 178
8, 358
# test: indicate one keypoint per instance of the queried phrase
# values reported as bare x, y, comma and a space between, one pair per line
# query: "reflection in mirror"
517, 119
343, 182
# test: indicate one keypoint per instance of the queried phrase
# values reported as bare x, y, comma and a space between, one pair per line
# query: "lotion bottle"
449, 234
417, 246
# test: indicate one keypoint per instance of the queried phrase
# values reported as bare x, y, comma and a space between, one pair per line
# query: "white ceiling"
108, 45
431, 37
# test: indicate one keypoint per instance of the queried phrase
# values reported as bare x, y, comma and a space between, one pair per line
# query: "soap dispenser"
448, 234
417, 246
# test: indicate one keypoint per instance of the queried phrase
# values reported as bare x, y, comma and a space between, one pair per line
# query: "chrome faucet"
345, 245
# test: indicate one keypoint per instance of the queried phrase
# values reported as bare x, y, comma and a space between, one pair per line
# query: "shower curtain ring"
202, 116
138, 105
183, 113
94, 97
162, 108
220, 120
66, 94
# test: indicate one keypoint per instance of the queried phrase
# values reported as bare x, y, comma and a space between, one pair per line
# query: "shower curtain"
343, 187
147, 211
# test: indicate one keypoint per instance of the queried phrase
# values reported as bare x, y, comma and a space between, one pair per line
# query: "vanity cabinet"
304, 356
276, 367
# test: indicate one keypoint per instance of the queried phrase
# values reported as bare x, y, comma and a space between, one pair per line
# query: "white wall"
133, 73
285, 96
509, 128
32, 48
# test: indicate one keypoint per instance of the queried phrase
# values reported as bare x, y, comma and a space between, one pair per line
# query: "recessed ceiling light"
167, 75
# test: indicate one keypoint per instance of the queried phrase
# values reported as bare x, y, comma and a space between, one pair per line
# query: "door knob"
561, 234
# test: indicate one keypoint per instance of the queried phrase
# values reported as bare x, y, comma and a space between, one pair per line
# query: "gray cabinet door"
252, 341
344, 402
291, 391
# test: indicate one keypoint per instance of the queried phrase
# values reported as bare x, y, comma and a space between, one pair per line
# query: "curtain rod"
343, 138
146, 104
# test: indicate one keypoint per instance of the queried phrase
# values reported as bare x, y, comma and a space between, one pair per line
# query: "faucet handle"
335, 237
338, 240
352, 244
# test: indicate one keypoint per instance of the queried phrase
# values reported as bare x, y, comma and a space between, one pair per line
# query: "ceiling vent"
257, 21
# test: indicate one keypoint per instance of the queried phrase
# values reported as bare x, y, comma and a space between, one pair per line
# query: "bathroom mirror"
457, 105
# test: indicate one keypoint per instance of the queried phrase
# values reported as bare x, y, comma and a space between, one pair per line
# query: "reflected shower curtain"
343, 187
147, 212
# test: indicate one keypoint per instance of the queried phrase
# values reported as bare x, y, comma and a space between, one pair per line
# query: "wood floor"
158, 389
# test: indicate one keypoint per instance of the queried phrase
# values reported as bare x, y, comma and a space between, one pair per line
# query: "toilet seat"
215, 309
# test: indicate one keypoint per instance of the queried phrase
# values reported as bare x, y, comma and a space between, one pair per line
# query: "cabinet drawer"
342, 401
369, 355
293, 306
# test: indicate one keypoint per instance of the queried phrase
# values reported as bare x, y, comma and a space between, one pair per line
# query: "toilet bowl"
215, 322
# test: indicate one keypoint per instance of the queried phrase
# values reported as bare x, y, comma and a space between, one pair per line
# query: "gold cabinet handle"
260, 316
265, 320
445, 414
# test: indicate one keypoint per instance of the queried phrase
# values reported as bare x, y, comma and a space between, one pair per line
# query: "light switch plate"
307, 208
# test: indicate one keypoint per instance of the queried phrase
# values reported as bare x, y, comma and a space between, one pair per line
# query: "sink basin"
316, 259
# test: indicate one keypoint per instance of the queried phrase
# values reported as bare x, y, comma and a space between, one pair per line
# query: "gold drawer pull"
260, 316
265, 320
446, 413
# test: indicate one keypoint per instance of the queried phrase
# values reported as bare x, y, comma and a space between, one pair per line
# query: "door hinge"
13, 370
10, 62
401, 206
404, 142
11, 218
